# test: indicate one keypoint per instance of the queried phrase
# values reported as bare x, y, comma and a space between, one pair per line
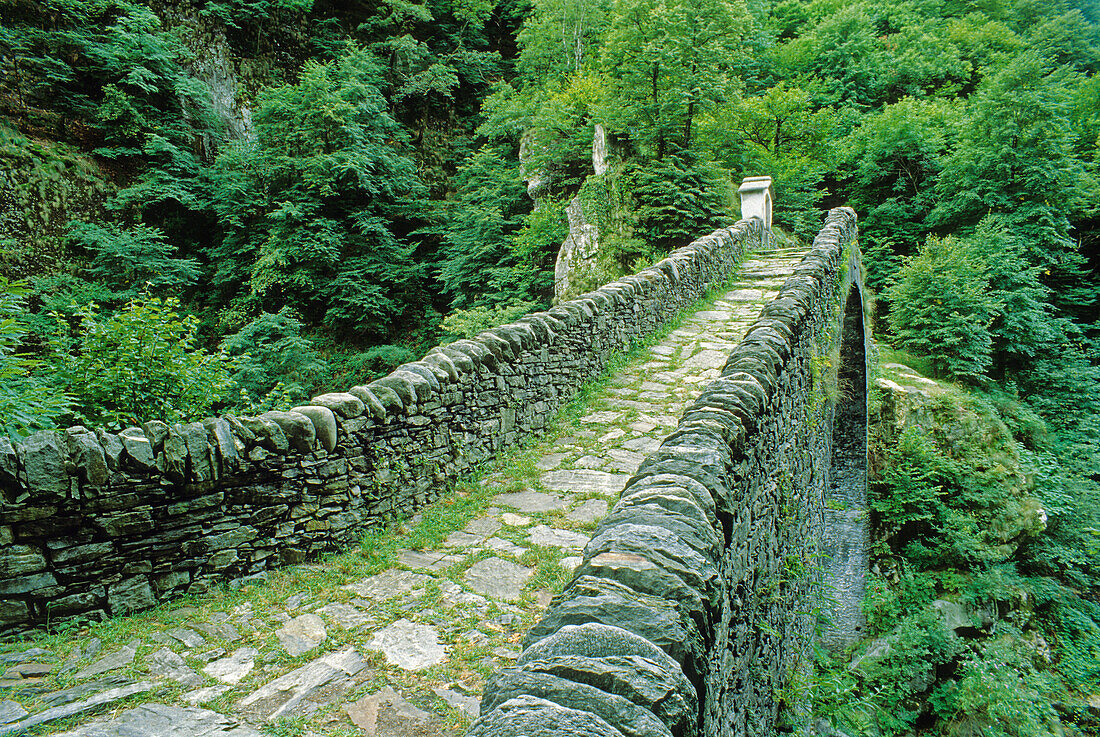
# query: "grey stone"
529, 716
19, 560
462, 539
43, 456
27, 584
130, 595
282, 696
551, 537
584, 481
504, 546
302, 634
344, 404
500, 579
345, 615
408, 645
159, 720
87, 455
11, 711
202, 695
390, 706
590, 510
233, 668
388, 584
603, 417
219, 630
483, 526
118, 659
324, 424
166, 664
267, 432
68, 710
550, 461
188, 637
531, 501
370, 402
297, 428
632, 720
432, 560
138, 447
221, 435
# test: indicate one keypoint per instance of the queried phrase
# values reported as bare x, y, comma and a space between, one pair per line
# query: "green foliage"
129, 260
27, 403
140, 363
468, 323
676, 200
314, 208
942, 307
271, 351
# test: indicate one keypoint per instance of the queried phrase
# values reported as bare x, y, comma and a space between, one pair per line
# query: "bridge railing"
698, 594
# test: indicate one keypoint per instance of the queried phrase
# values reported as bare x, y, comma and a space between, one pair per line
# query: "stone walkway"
386, 640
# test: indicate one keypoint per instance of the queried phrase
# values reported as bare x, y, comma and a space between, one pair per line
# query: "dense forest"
232, 204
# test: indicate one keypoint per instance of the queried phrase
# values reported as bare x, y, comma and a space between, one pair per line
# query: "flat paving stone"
585, 481
590, 462
554, 538
625, 460
345, 615
515, 520
284, 695
462, 539
706, 360
602, 418
202, 695
531, 501
161, 720
590, 510
501, 545
302, 634
387, 714
114, 661
550, 461
498, 578
408, 645
188, 637
165, 663
644, 445
483, 526
11, 711
233, 668
470, 705
433, 560
388, 584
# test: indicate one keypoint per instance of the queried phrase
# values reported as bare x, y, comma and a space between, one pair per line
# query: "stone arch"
846, 540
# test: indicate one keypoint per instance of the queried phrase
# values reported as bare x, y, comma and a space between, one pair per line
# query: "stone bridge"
694, 603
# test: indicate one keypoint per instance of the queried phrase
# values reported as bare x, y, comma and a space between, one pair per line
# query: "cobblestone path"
394, 638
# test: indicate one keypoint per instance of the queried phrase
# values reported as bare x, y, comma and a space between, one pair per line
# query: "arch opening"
846, 538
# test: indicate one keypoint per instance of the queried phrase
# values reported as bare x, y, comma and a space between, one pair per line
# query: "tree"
669, 59
316, 208
942, 308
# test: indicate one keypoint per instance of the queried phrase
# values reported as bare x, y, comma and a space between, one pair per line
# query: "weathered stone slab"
159, 720
604, 417
433, 560
114, 661
498, 578
11, 711
233, 668
529, 716
302, 634
471, 705
345, 615
188, 637
388, 584
166, 664
584, 482
531, 501
590, 510
408, 645
555, 538
389, 712
282, 696
68, 710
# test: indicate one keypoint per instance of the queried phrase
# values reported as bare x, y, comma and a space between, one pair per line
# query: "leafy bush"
27, 403
140, 363
468, 323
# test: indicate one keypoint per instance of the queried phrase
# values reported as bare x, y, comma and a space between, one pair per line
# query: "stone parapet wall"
95, 524
697, 597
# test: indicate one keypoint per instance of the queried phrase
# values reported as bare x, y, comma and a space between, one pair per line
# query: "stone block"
130, 595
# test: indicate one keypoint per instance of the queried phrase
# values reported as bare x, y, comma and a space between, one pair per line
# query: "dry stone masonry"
696, 599
96, 524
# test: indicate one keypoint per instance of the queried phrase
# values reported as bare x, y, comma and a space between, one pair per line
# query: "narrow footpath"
394, 638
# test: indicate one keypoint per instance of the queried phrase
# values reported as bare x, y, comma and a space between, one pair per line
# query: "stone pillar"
756, 199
